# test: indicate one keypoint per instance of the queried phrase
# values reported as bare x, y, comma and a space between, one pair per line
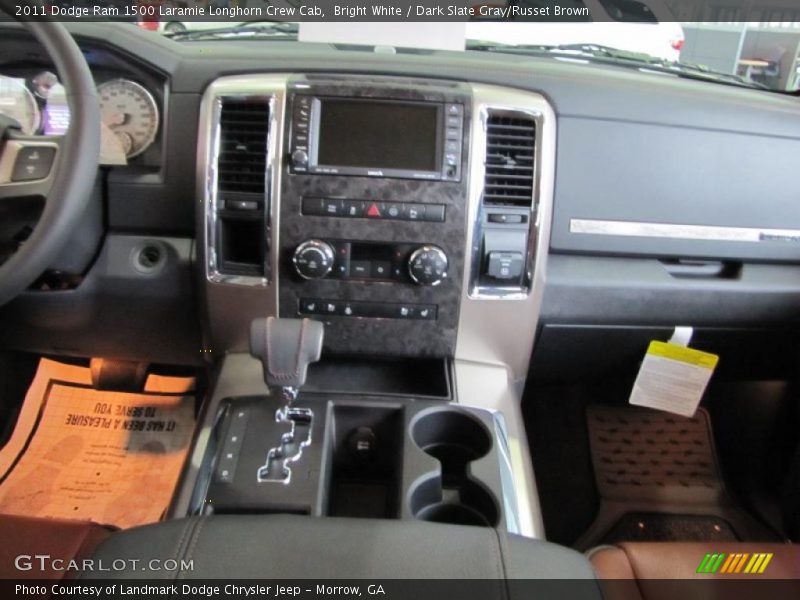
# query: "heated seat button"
33, 162
426, 312
310, 306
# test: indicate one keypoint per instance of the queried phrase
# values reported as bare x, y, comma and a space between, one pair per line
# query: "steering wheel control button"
504, 265
427, 265
313, 259
33, 162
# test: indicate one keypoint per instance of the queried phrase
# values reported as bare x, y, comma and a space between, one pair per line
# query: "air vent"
244, 127
510, 144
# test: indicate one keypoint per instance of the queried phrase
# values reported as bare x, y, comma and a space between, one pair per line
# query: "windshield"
642, 34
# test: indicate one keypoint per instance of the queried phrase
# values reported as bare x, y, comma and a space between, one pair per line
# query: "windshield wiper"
608, 55
251, 29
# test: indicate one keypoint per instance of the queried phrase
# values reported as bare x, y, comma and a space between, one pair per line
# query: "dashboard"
406, 249
382, 233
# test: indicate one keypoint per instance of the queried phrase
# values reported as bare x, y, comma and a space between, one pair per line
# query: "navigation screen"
376, 134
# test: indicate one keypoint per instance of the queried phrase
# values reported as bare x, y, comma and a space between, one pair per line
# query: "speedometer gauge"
130, 112
17, 102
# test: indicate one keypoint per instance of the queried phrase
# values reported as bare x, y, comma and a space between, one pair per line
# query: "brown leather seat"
24, 540
641, 570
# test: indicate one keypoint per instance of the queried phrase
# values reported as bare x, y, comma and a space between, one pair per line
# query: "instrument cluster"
130, 115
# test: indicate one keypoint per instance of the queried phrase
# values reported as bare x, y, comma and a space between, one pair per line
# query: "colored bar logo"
730, 564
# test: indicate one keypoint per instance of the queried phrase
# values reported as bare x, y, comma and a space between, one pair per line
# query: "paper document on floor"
109, 457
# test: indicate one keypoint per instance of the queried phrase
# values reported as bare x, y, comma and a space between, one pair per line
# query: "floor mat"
648, 461
110, 457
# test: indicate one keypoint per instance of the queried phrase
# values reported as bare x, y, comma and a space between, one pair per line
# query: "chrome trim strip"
274, 88
507, 485
496, 333
713, 233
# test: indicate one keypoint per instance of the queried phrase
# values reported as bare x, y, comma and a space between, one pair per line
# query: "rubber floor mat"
647, 461
110, 457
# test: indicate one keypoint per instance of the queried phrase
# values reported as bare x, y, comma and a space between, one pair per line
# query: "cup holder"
455, 439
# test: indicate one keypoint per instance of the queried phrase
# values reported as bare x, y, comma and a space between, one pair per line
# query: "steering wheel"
59, 169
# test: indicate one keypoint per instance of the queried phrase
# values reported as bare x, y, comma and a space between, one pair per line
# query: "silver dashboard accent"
229, 330
496, 332
278, 466
477, 174
257, 86
714, 233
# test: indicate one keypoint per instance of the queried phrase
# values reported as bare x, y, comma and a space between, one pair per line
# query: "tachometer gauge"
130, 112
17, 102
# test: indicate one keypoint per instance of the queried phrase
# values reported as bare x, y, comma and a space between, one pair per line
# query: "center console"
410, 218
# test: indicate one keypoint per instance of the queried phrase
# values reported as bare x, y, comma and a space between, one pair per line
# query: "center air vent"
510, 144
244, 128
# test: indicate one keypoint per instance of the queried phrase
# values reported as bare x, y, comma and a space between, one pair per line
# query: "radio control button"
453, 146
454, 121
453, 133
453, 109
451, 158
300, 158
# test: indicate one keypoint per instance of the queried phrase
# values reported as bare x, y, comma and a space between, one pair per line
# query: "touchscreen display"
376, 134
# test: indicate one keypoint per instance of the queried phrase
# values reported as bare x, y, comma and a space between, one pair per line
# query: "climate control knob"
313, 259
427, 265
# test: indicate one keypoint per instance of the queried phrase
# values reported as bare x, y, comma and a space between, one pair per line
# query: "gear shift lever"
285, 348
